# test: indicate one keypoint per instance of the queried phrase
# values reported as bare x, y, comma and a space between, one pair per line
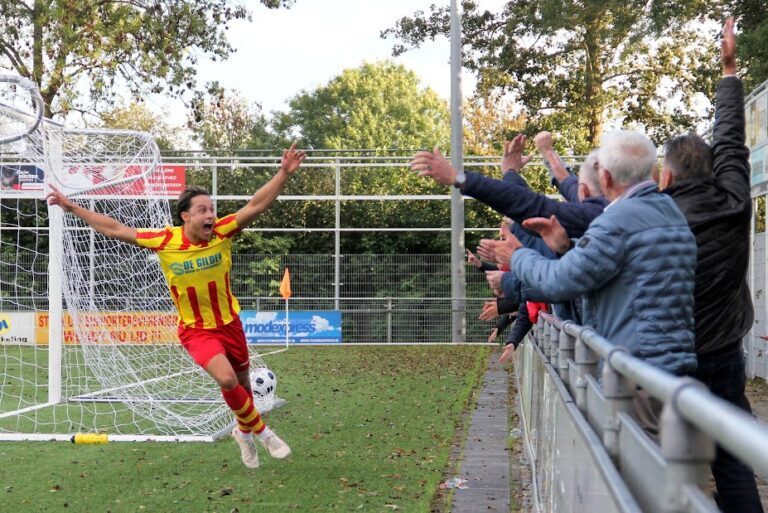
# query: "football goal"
87, 328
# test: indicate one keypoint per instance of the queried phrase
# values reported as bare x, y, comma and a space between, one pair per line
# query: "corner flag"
285, 285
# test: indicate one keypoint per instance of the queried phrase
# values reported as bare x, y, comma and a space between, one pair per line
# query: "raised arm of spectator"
543, 143
595, 260
731, 156
511, 197
513, 160
529, 240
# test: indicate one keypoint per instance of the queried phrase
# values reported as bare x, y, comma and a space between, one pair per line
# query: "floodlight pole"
458, 282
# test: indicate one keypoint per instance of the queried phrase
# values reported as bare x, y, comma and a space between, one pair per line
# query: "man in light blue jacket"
635, 264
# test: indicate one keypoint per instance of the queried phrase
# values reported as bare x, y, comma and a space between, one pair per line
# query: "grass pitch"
371, 430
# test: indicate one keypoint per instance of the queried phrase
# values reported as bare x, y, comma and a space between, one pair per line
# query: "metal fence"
588, 452
383, 298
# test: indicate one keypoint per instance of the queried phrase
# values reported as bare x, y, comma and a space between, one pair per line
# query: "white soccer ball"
263, 382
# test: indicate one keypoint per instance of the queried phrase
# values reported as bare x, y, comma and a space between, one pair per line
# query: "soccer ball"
263, 382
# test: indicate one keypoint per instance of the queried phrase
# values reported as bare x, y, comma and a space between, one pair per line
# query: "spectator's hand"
292, 159
551, 231
499, 251
56, 197
490, 310
473, 260
493, 335
513, 155
509, 352
543, 142
728, 48
434, 165
494, 280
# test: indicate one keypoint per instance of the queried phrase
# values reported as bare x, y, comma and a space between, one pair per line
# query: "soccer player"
196, 258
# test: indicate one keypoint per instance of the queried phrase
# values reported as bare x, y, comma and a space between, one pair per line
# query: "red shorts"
204, 344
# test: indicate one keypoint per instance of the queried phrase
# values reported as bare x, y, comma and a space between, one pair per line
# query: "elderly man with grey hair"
634, 265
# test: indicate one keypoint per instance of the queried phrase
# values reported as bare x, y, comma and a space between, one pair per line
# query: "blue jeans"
725, 376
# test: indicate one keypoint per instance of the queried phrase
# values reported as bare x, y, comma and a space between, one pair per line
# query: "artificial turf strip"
370, 428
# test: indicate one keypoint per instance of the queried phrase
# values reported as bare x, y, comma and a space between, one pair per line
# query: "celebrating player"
196, 259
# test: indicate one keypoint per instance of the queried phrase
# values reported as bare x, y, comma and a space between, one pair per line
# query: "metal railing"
587, 411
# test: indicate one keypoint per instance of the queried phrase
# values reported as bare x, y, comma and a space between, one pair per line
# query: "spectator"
511, 196
634, 265
711, 187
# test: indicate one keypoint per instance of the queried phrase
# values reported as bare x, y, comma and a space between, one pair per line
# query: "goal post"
87, 326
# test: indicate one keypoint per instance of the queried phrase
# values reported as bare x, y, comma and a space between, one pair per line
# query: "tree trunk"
38, 20
594, 99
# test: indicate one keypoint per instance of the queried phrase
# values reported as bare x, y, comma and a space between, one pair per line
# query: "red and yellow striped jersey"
197, 274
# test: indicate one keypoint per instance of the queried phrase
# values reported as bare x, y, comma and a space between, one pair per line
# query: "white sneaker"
276, 447
247, 449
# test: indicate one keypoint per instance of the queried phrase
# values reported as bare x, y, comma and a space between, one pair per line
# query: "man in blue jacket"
711, 187
635, 264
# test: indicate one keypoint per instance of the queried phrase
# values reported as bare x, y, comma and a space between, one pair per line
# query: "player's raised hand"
56, 197
292, 159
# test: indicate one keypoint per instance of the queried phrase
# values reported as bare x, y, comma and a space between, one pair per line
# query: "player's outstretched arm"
263, 198
105, 225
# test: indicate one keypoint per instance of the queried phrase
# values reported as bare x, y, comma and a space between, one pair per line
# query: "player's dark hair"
185, 200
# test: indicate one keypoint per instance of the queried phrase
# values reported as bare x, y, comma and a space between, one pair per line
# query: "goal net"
87, 328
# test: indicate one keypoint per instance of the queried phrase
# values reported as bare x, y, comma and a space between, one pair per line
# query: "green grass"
371, 429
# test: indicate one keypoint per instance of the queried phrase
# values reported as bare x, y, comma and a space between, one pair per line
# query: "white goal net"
87, 328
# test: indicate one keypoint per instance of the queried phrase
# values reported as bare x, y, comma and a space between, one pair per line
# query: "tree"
375, 106
136, 116
585, 62
753, 40
378, 106
149, 45
220, 119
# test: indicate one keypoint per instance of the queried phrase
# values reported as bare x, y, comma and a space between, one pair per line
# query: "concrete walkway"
485, 461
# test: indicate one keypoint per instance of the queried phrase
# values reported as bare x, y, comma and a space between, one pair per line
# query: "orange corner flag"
285, 285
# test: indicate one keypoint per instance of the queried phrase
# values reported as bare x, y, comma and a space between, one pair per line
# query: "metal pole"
458, 283
337, 240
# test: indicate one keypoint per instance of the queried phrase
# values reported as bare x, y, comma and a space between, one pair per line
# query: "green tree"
221, 119
375, 106
378, 106
136, 116
148, 45
576, 64
753, 39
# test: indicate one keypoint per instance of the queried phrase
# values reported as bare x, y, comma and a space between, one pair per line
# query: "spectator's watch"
461, 179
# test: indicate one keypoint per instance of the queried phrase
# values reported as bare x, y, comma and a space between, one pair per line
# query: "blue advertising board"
304, 327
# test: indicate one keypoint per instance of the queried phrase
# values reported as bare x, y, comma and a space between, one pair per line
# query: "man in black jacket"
711, 187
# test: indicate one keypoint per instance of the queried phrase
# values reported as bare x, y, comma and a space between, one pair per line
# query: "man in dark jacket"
711, 187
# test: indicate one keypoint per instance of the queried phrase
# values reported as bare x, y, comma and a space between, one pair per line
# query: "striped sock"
240, 401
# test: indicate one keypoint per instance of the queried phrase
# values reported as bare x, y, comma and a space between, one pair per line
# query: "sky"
283, 52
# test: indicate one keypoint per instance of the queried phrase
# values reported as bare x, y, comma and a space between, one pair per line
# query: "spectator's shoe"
247, 449
276, 447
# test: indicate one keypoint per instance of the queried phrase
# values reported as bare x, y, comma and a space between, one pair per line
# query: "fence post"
554, 344
538, 332
586, 365
686, 450
618, 392
566, 345
389, 320
546, 335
